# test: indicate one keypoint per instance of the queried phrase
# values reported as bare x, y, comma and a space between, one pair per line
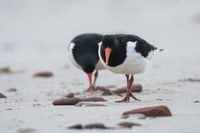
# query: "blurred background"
34, 34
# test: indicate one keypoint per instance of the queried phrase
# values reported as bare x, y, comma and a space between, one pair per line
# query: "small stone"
128, 124
43, 74
2, 95
93, 99
154, 111
95, 126
197, 101
110, 86
190, 80
67, 101
27, 130
94, 105
134, 88
106, 91
12, 90
77, 126
6, 70
37, 105
70, 95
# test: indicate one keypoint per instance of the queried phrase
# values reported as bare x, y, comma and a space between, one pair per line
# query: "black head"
88, 68
111, 50
109, 41
88, 63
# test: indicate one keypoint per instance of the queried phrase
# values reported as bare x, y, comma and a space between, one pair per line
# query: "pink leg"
128, 93
91, 88
95, 77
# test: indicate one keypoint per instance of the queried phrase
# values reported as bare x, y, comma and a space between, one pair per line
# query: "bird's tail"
159, 50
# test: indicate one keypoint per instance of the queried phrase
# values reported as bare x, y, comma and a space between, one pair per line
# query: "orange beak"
107, 54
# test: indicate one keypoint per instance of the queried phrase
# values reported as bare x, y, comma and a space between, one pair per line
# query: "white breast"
133, 64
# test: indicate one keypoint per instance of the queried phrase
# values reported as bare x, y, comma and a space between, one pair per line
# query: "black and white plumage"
125, 54
83, 53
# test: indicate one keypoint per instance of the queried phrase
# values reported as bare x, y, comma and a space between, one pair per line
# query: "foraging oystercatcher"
83, 53
125, 54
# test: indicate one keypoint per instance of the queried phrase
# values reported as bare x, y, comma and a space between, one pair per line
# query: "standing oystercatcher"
125, 54
83, 53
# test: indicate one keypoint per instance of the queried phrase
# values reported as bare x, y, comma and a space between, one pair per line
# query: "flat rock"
6, 70
2, 95
77, 126
95, 126
134, 88
128, 124
43, 74
190, 80
106, 91
26, 130
66, 101
154, 111
93, 99
12, 90
70, 95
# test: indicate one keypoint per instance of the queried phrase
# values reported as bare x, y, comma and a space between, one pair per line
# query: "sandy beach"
34, 37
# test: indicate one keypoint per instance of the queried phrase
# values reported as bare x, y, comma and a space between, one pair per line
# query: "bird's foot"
90, 89
131, 95
127, 98
123, 100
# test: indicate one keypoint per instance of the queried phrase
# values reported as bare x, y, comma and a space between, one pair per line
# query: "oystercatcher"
83, 53
125, 54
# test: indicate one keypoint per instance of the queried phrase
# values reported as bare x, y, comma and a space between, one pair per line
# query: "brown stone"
128, 124
26, 130
190, 80
154, 111
67, 101
106, 91
12, 90
70, 95
134, 88
43, 74
6, 70
77, 126
2, 95
93, 99
95, 126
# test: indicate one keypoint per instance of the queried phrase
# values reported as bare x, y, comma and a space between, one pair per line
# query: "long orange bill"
107, 54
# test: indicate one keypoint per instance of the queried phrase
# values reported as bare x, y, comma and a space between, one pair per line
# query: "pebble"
93, 99
154, 111
106, 91
6, 70
70, 95
12, 90
95, 126
77, 126
67, 101
134, 88
2, 95
43, 74
89, 126
27, 130
128, 124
